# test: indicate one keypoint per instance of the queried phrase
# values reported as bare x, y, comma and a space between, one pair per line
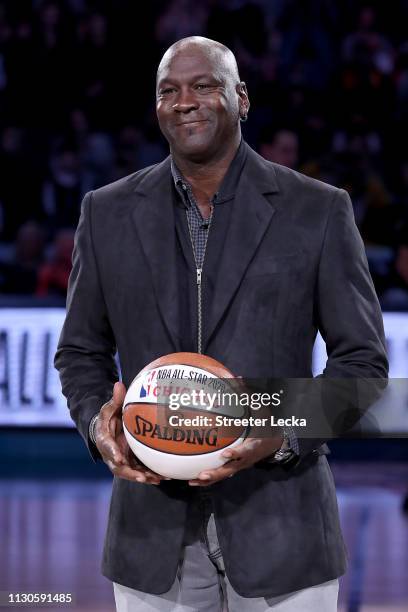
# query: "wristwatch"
285, 453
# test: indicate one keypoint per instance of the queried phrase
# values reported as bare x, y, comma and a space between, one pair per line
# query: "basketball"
176, 418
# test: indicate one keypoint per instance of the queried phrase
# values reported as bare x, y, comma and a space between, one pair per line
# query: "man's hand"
239, 458
112, 445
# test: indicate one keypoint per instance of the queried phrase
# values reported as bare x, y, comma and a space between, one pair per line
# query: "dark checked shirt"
198, 226
200, 242
199, 230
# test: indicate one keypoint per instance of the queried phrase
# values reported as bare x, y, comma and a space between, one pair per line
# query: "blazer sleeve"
85, 356
348, 312
348, 316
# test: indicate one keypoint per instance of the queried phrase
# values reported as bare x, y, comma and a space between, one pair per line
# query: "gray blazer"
292, 262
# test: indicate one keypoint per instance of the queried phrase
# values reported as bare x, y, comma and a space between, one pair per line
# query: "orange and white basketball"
181, 412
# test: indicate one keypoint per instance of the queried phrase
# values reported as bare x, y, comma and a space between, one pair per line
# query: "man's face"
198, 104
283, 150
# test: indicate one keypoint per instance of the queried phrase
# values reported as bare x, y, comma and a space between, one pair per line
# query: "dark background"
327, 79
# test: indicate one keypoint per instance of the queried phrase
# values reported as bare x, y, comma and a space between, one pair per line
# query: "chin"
195, 149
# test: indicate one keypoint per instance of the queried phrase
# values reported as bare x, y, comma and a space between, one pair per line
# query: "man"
282, 148
272, 256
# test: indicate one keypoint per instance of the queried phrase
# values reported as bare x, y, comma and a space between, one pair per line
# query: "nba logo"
145, 390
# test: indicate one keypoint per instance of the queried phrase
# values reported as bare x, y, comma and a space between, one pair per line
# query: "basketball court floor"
51, 534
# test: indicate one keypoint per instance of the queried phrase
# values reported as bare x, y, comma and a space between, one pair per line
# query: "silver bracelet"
91, 429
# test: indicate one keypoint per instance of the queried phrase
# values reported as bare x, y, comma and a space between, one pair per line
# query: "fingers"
205, 479
135, 464
112, 444
241, 452
114, 405
238, 458
209, 477
119, 392
109, 426
134, 475
253, 450
231, 454
122, 463
109, 448
125, 465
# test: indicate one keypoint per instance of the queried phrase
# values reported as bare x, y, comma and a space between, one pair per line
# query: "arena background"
328, 84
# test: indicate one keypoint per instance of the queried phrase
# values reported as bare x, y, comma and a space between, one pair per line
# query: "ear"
244, 103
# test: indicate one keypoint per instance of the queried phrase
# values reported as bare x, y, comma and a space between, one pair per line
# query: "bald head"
216, 53
200, 99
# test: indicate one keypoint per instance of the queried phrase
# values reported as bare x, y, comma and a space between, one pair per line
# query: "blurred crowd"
327, 80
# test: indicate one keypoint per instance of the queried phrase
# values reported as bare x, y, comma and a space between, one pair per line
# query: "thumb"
119, 392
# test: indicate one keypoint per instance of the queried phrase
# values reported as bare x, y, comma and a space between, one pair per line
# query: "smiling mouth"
192, 122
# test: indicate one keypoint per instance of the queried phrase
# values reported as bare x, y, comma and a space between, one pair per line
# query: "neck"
206, 176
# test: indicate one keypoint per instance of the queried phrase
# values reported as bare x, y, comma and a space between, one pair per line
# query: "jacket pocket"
273, 264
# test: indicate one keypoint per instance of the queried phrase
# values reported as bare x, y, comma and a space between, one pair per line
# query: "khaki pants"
201, 584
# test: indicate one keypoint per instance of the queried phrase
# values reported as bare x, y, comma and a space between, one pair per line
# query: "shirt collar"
229, 183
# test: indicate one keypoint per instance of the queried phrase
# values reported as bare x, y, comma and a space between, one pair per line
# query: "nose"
185, 102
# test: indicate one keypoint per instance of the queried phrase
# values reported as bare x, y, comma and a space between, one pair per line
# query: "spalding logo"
145, 428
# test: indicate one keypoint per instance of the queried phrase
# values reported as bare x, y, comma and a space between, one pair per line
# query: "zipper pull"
199, 271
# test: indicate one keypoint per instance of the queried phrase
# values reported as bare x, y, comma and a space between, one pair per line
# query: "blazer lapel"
154, 221
249, 220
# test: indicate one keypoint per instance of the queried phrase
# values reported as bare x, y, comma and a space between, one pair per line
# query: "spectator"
378, 215
181, 18
20, 275
94, 69
53, 275
366, 46
282, 149
368, 65
19, 187
395, 296
62, 191
308, 29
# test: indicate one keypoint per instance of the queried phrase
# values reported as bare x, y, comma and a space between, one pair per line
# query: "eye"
203, 86
165, 91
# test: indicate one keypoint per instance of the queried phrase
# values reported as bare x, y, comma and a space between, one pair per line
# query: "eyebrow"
195, 77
